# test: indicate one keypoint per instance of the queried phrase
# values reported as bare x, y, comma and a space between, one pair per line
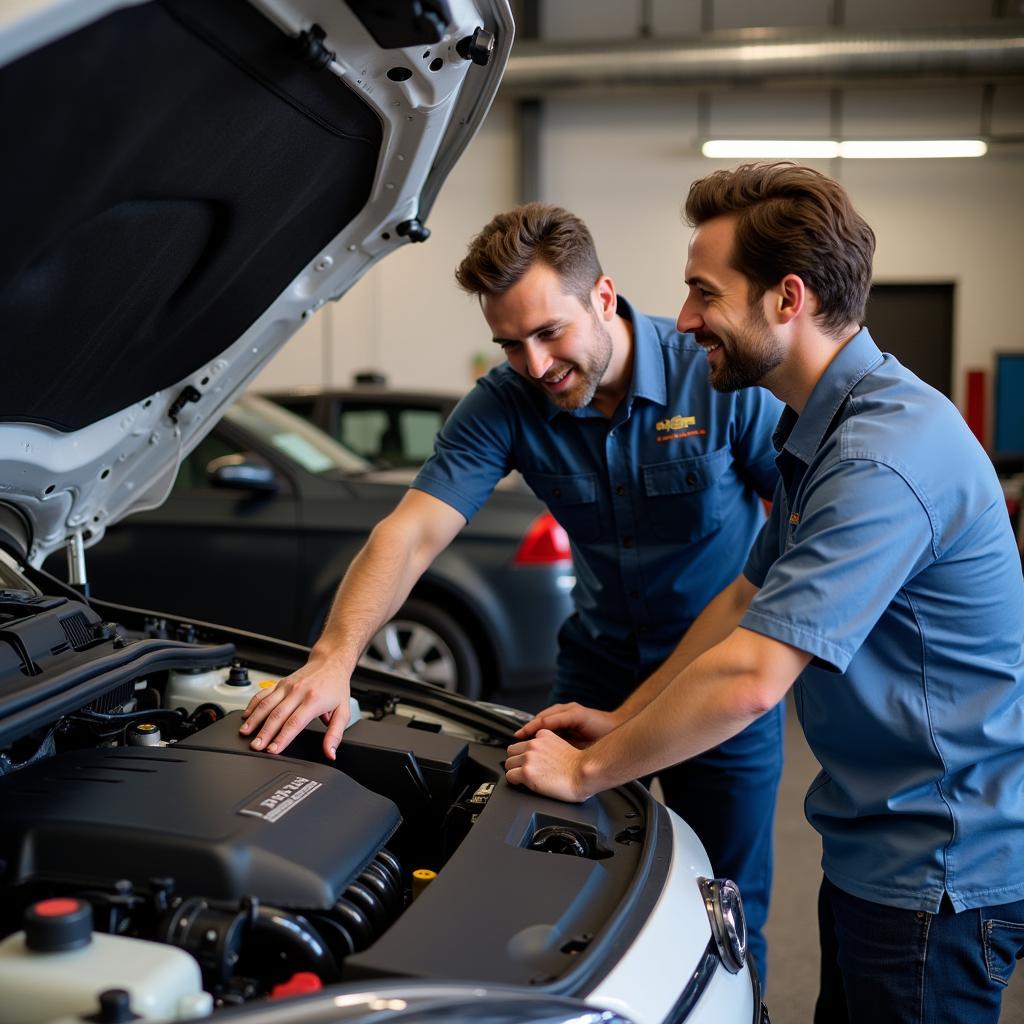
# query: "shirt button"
620, 490
691, 479
557, 492
627, 542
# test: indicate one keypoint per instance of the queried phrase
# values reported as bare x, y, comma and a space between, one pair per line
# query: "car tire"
426, 642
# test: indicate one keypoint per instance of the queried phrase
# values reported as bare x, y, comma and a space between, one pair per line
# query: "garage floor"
792, 925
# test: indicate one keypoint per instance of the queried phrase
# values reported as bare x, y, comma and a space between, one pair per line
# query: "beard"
747, 356
589, 372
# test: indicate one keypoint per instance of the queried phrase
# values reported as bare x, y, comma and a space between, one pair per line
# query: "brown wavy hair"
792, 220
512, 242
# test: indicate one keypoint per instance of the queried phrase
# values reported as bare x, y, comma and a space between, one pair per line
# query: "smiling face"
734, 331
551, 339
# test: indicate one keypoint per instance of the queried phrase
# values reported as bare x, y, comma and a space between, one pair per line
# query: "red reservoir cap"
58, 925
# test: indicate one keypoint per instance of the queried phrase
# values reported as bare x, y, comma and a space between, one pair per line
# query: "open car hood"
185, 182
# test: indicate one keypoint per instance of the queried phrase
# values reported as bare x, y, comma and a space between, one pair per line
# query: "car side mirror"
243, 472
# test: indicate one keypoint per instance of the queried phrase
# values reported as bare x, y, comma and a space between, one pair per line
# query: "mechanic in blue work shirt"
657, 478
886, 584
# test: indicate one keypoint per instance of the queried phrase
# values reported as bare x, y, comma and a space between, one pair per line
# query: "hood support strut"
76, 563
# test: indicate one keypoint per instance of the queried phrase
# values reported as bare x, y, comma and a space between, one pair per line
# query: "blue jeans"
886, 965
726, 795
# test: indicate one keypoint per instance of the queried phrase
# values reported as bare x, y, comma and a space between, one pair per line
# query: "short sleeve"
472, 452
861, 534
759, 411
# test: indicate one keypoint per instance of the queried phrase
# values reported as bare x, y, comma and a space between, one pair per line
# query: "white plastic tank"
220, 686
215, 686
58, 967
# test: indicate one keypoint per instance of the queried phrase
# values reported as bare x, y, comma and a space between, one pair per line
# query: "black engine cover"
222, 825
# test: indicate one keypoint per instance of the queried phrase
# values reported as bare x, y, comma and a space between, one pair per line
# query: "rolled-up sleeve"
858, 535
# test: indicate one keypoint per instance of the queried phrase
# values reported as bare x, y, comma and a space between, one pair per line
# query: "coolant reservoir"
58, 967
231, 688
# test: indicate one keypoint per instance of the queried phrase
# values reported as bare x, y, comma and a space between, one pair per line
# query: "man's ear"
788, 298
604, 298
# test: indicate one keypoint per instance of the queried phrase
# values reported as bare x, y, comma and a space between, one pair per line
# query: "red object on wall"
976, 395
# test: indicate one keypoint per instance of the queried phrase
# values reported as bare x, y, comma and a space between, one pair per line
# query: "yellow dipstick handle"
421, 878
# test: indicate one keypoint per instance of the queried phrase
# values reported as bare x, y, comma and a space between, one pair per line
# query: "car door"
221, 554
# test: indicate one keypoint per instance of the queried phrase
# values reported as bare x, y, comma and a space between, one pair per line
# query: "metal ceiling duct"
753, 56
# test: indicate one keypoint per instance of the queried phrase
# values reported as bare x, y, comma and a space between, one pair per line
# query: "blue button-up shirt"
660, 502
889, 557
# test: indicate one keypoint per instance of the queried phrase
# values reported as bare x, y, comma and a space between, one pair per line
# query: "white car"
184, 182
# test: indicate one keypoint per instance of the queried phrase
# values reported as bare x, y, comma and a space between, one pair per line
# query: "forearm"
719, 618
375, 586
377, 583
722, 691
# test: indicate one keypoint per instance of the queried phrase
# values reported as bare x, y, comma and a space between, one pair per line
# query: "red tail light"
545, 542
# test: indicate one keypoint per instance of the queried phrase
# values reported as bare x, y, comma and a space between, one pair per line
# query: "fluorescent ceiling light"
824, 149
912, 150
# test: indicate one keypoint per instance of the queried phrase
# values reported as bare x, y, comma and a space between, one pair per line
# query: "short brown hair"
514, 241
792, 220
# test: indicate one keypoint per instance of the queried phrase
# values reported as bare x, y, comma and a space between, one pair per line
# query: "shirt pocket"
572, 500
681, 497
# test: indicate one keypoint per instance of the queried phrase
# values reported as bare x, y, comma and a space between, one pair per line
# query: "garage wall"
624, 161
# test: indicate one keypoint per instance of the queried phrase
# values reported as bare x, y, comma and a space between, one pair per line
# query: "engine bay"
125, 785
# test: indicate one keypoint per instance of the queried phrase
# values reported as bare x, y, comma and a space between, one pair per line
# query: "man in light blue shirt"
886, 585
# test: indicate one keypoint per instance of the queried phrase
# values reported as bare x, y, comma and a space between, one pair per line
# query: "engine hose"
299, 938
355, 922
377, 880
367, 901
335, 935
390, 863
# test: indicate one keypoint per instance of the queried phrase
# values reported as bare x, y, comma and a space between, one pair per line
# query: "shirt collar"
802, 435
648, 363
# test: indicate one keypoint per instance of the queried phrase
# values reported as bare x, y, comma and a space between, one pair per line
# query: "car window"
363, 431
392, 435
419, 427
301, 442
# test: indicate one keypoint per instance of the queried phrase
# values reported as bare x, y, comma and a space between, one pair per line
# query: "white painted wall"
624, 162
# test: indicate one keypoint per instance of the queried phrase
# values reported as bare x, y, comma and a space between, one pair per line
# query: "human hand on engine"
573, 722
551, 766
278, 715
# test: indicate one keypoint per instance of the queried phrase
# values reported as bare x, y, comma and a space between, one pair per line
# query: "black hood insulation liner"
210, 164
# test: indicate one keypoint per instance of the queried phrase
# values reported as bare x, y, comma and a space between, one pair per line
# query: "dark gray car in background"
266, 514
391, 427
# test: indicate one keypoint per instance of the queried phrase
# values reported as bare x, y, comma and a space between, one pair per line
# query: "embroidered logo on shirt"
677, 425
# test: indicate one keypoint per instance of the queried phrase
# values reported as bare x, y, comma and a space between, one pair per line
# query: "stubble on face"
589, 370
748, 354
